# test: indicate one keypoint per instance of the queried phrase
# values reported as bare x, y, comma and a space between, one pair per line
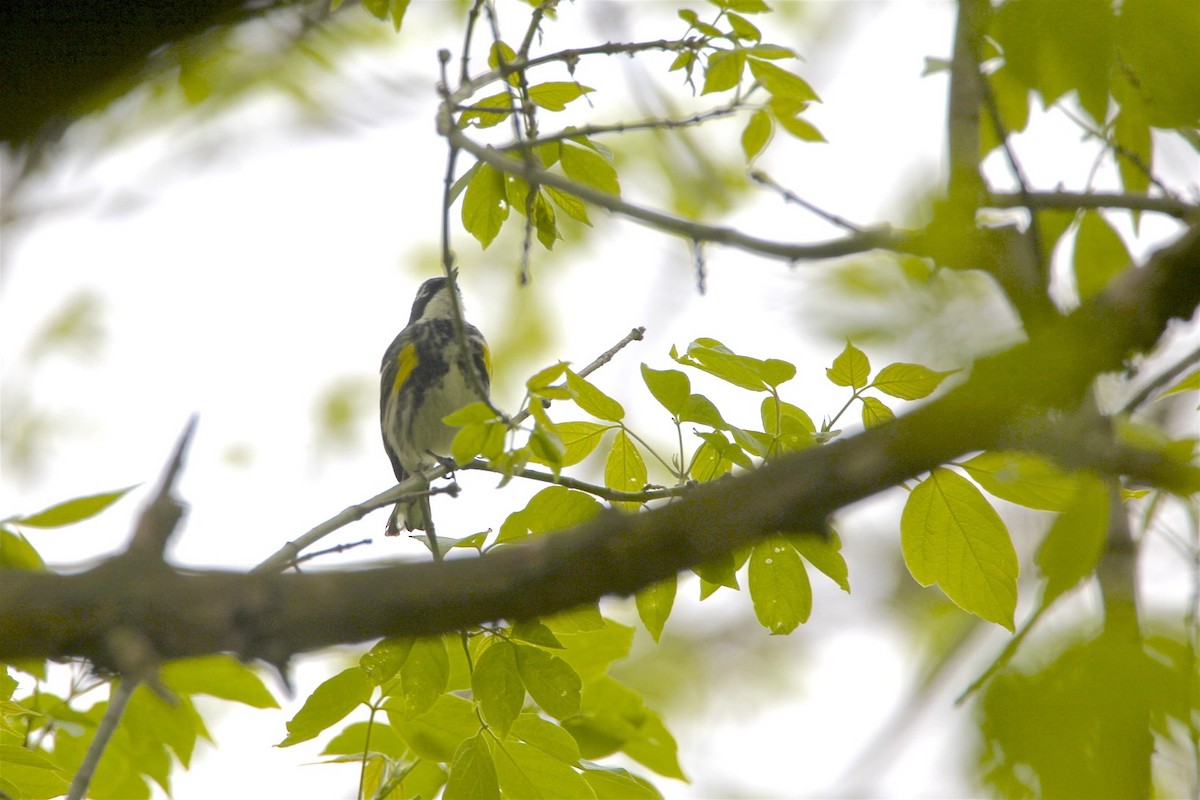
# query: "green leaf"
625, 469
220, 676
72, 511
1099, 255
721, 571
909, 381
779, 586
353, 740
535, 632
749, 373
851, 368
1075, 541
552, 683
614, 717
592, 400
554, 508
744, 28
497, 686
329, 703
801, 128
756, 134
473, 772
724, 70
698, 408
546, 736
579, 439
581, 619
554, 95
951, 536
654, 605
26, 773
438, 732
425, 674
789, 425
471, 413
588, 167
1188, 383
591, 652
488, 112
575, 208
825, 555
17, 553
616, 783
1024, 479
771, 51
485, 205
670, 387
781, 83
528, 773
874, 412
501, 52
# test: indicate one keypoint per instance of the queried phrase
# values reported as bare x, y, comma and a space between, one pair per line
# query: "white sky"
242, 287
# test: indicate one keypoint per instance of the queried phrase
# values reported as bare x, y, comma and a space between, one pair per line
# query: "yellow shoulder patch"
487, 359
406, 362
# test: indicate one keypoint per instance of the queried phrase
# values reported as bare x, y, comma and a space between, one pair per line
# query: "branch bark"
273, 617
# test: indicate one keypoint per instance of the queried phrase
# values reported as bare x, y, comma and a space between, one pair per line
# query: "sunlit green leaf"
438, 732
779, 586
17, 553
951, 536
579, 439
799, 127
575, 208
756, 134
670, 387
1024, 479
589, 168
546, 736
552, 683
743, 28
616, 783
908, 381
724, 70
473, 772
614, 717
528, 773
554, 508
485, 205
499, 53
72, 511
781, 83
625, 469
353, 740
851, 368
825, 555
874, 412
592, 400
220, 676
591, 652
535, 632
425, 673
554, 95
654, 605
497, 686
330, 702
1188, 383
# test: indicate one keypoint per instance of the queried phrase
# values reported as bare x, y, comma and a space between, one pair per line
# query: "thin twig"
603, 492
1072, 201
117, 701
1168, 375
589, 131
341, 548
791, 197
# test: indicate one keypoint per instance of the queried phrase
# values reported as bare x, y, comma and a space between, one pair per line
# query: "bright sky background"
242, 284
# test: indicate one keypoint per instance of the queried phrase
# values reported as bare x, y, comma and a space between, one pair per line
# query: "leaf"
909, 381
1024, 479
27, 773
851, 368
220, 676
579, 439
654, 605
698, 408
554, 508
614, 717
781, 83
71, 511
951, 536
575, 208
801, 128
488, 112
1099, 255
724, 70
329, 703
592, 400
589, 168
743, 28
529, 773
425, 674
1075, 541
353, 740
1188, 383
438, 732
756, 134
501, 52
535, 632
17, 553
670, 387
874, 412
825, 555
779, 586
497, 686
473, 772
554, 95
474, 412
552, 683
616, 783
591, 652
625, 469
485, 205
546, 736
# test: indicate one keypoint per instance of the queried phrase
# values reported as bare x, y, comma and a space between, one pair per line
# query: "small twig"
1166, 377
105, 729
791, 197
1117, 148
634, 335
603, 492
341, 548
1072, 201
619, 127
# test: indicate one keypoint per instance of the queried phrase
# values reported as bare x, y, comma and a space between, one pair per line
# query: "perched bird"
424, 377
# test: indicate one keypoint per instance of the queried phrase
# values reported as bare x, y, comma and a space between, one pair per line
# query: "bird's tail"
413, 514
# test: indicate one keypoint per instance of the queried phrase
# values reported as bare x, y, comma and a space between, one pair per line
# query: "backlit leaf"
552, 683
71, 511
1024, 479
497, 686
851, 368
670, 387
554, 95
485, 205
473, 772
592, 400
589, 168
654, 605
329, 703
951, 536
625, 469
1075, 541
779, 586
1100, 254
908, 381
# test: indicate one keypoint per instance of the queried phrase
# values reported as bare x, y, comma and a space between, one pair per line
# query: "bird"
425, 375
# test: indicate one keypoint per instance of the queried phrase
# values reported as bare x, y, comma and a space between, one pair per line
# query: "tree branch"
273, 616
1071, 201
